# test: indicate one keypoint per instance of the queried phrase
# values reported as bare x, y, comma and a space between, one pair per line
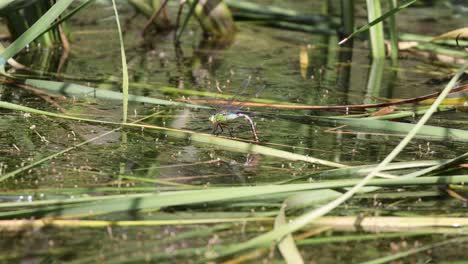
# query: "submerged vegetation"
349, 145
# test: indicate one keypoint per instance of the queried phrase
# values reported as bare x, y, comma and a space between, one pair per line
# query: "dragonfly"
221, 119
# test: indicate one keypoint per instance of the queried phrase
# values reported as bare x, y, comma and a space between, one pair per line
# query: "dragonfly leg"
217, 129
222, 126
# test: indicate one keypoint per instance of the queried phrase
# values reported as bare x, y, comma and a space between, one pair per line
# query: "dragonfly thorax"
222, 117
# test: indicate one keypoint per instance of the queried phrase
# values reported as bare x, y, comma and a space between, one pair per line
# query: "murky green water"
271, 56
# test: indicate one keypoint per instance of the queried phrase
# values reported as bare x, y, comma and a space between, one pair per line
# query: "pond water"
270, 57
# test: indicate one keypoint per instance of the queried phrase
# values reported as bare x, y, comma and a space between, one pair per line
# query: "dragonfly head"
212, 119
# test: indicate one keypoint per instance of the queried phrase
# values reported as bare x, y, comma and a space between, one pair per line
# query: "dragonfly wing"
229, 107
259, 90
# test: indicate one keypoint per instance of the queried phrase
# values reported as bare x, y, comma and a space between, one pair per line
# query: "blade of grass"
362, 170
187, 197
124, 67
34, 31
287, 246
403, 114
424, 38
437, 167
376, 31
439, 49
68, 15
70, 89
251, 10
378, 20
399, 127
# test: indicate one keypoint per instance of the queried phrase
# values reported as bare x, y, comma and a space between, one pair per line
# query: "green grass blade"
124, 67
70, 89
427, 39
374, 11
68, 15
35, 30
363, 170
378, 20
440, 49
437, 167
403, 114
122, 203
399, 127
251, 7
287, 246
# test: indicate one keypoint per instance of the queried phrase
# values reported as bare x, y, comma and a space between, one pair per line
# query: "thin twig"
192, 9
65, 46
325, 107
179, 14
41, 94
154, 17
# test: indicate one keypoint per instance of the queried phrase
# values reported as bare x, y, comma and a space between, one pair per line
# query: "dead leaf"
454, 34
384, 111
303, 61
